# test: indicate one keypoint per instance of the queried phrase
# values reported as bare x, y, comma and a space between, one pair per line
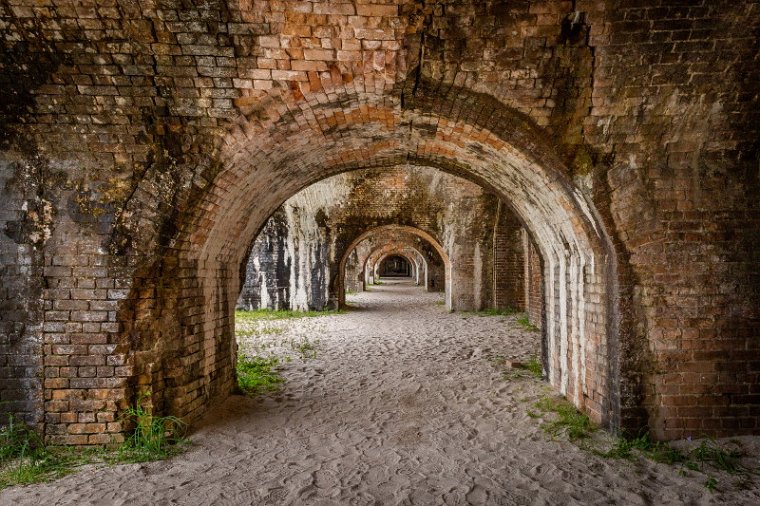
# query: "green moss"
492, 312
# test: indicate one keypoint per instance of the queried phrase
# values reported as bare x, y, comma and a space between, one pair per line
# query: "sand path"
400, 406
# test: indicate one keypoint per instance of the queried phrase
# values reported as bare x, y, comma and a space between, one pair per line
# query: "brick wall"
533, 287
509, 262
148, 145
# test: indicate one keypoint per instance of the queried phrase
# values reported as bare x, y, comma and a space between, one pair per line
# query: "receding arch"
463, 133
411, 254
406, 229
407, 259
385, 242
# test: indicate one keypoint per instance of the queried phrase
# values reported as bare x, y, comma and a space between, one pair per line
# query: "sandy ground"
402, 405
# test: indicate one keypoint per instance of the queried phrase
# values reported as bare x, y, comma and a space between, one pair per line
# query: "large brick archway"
262, 165
142, 149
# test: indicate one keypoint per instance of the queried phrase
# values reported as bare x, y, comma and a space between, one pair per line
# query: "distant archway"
429, 239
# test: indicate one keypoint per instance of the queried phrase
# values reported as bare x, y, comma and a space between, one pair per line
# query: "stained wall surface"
143, 146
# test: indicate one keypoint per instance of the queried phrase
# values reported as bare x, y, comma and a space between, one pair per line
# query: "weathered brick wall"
267, 272
21, 306
675, 114
509, 262
151, 142
533, 287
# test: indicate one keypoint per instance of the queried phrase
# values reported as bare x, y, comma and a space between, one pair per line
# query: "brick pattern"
680, 130
149, 143
533, 288
509, 262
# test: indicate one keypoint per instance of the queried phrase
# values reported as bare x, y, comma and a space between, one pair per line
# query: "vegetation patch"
305, 348
706, 457
566, 419
524, 322
259, 375
153, 437
26, 459
492, 311
512, 370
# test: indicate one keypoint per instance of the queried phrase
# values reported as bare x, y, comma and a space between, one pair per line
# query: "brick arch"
426, 263
400, 253
287, 143
391, 229
410, 253
398, 243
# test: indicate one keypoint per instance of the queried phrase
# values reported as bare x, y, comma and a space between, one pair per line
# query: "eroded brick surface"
144, 145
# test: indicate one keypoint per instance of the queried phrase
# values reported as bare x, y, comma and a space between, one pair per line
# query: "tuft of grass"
530, 369
568, 420
18, 440
711, 484
524, 322
534, 366
728, 460
25, 459
708, 453
655, 450
440, 303
263, 331
259, 375
492, 311
154, 437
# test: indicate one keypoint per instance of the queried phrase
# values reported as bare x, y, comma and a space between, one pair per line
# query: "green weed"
496, 312
25, 459
153, 438
728, 460
263, 331
530, 369
654, 450
533, 365
493, 312
23, 456
707, 453
258, 375
524, 322
568, 419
